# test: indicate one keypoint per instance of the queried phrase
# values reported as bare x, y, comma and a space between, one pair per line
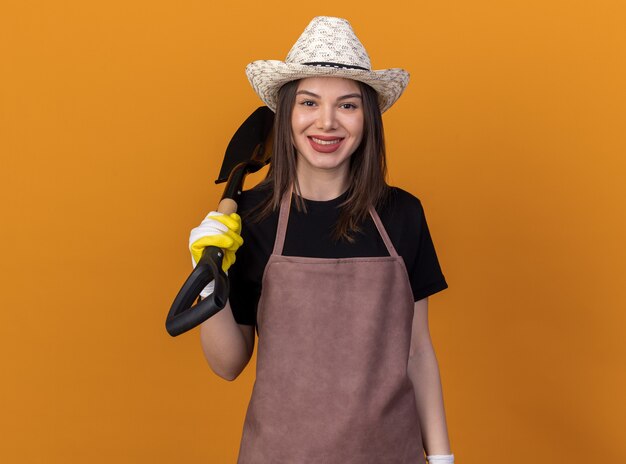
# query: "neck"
320, 185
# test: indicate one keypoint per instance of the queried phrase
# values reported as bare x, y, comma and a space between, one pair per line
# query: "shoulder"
251, 199
400, 205
403, 198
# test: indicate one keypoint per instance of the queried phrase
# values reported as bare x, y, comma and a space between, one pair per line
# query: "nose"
326, 118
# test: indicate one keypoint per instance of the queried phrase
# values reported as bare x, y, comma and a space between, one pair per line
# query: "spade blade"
247, 142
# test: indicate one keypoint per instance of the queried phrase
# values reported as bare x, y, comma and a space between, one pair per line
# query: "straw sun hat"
327, 47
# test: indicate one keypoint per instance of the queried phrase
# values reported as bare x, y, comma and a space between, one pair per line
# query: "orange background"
114, 117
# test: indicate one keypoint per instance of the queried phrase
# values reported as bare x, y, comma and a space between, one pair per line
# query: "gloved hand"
218, 230
440, 459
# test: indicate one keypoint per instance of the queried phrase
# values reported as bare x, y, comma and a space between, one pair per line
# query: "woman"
335, 273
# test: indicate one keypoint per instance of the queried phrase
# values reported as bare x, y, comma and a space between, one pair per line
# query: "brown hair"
368, 166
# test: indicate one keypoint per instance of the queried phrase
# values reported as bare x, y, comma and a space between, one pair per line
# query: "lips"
325, 144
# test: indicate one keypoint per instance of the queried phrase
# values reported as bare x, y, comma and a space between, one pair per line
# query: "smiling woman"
327, 128
366, 170
335, 274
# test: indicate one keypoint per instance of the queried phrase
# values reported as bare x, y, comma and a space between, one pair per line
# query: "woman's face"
327, 123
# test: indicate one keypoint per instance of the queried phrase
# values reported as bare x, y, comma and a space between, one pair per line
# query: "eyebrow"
343, 97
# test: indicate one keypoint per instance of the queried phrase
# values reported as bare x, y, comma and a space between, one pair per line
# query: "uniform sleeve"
246, 275
244, 281
244, 294
425, 272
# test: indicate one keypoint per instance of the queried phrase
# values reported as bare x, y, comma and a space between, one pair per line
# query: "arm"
423, 371
227, 346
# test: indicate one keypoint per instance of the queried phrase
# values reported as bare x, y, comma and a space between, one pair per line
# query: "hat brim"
268, 76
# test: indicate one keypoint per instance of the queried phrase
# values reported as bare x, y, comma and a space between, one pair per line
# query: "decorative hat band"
335, 65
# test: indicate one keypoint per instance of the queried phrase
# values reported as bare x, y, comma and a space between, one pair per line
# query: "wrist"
440, 458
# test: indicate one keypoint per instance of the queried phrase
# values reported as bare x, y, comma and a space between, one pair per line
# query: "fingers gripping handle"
183, 314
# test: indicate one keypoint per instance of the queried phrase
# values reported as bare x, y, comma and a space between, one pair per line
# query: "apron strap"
283, 219
383, 233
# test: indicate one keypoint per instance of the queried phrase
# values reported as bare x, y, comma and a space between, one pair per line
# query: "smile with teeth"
325, 142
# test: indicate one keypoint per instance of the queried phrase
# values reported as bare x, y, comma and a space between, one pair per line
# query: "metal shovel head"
248, 141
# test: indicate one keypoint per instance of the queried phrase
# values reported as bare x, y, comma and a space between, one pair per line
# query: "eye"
348, 106
307, 103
